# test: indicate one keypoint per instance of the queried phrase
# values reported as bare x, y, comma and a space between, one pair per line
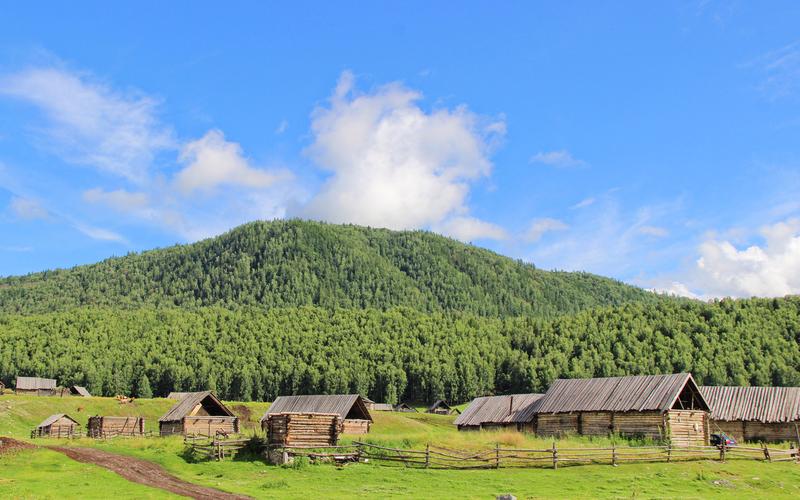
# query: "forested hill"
300, 263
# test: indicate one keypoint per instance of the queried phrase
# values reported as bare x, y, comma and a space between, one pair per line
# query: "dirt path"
144, 472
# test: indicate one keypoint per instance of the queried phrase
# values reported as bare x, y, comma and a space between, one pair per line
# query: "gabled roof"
513, 408
760, 404
382, 407
177, 395
81, 391
35, 383
53, 418
185, 406
405, 406
338, 404
616, 394
439, 403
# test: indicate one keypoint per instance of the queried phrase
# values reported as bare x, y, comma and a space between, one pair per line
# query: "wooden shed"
36, 386
405, 408
440, 407
107, 427
382, 407
200, 414
77, 390
353, 414
755, 413
660, 407
59, 425
514, 411
302, 430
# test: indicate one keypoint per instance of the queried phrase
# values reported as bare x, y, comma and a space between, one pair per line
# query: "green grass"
702, 479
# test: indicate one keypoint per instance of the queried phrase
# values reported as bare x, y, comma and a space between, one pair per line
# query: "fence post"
669, 451
427, 455
722, 452
555, 456
614, 454
497, 455
766, 453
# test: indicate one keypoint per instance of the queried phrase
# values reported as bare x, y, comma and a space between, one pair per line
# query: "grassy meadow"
41, 473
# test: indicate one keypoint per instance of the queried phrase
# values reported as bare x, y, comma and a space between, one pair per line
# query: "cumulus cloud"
539, 227
561, 158
120, 199
212, 161
27, 209
470, 229
770, 269
393, 164
90, 123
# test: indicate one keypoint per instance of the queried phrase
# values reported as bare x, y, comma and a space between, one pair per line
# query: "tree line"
398, 354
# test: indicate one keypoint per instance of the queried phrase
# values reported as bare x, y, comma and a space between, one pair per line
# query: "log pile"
302, 430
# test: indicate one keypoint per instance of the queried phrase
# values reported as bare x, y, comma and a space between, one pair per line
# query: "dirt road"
144, 472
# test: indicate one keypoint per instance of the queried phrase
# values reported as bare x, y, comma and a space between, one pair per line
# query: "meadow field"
40, 472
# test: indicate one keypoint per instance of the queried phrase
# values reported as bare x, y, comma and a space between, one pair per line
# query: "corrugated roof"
81, 391
760, 404
185, 406
513, 408
339, 404
35, 383
52, 419
616, 394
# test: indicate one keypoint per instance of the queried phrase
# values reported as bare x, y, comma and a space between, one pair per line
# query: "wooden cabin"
405, 408
77, 390
199, 414
353, 414
769, 414
440, 407
513, 412
36, 386
382, 407
106, 427
302, 430
57, 426
659, 407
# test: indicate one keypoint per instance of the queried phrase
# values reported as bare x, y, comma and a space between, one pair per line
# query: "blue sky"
654, 144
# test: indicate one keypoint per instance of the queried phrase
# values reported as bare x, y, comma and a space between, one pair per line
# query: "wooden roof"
81, 391
177, 395
617, 394
439, 403
54, 418
382, 407
760, 404
513, 408
341, 404
35, 383
185, 406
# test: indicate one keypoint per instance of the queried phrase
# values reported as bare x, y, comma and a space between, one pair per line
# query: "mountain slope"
296, 263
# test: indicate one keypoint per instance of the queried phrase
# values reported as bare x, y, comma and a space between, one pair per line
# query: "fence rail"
216, 448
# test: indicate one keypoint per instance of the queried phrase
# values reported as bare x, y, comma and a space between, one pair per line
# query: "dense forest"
292, 263
398, 353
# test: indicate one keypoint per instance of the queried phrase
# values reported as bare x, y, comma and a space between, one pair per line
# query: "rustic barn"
382, 407
370, 404
405, 408
198, 413
177, 395
440, 407
58, 426
353, 414
77, 390
107, 427
755, 413
515, 411
36, 386
302, 430
658, 407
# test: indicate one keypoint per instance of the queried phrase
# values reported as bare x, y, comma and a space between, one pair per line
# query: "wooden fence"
216, 448
554, 457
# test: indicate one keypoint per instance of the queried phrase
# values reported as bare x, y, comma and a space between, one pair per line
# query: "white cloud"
771, 269
676, 288
655, 231
28, 209
560, 158
213, 161
780, 70
282, 126
470, 229
90, 123
120, 199
583, 203
97, 233
394, 165
539, 227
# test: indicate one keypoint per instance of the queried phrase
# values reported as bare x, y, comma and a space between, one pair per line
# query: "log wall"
302, 429
646, 424
209, 426
743, 431
557, 424
170, 428
688, 427
99, 427
355, 426
62, 427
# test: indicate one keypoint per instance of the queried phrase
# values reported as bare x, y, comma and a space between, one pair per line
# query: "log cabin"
440, 407
59, 425
302, 430
658, 407
36, 386
199, 414
768, 414
353, 414
511, 412
77, 390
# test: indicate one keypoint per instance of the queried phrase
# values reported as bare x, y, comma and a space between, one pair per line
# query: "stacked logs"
302, 430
